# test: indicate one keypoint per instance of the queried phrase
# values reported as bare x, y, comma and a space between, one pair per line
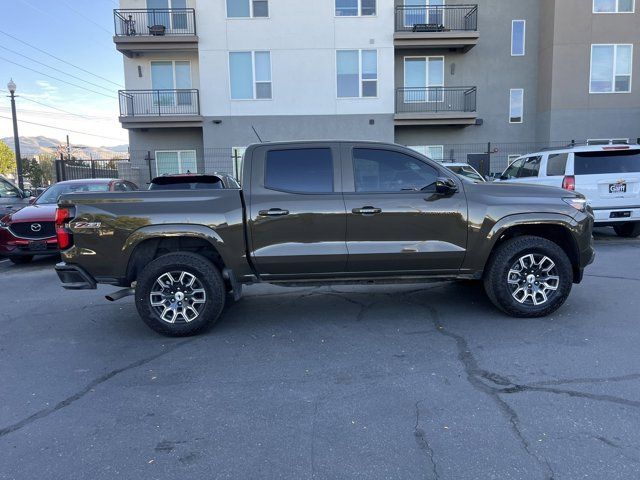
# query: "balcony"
159, 108
443, 26
436, 106
155, 30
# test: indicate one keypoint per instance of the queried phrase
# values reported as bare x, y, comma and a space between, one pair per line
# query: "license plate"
38, 246
617, 188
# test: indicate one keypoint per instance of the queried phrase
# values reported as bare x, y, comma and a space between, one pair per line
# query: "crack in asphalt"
45, 412
571, 393
423, 442
613, 277
596, 380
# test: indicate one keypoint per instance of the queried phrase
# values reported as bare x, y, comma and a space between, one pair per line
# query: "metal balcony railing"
154, 22
437, 18
158, 103
436, 100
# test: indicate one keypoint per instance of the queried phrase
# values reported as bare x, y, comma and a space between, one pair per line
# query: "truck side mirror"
446, 186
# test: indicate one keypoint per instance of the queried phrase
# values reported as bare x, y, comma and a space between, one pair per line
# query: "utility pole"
16, 138
68, 150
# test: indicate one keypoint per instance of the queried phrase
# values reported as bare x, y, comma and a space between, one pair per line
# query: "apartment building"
207, 78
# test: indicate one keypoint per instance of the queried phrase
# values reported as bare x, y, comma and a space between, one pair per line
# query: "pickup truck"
318, 213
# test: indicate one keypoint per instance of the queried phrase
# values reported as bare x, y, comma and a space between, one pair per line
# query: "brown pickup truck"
312, 213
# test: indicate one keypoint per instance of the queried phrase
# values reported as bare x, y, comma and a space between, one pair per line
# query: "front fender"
483, 238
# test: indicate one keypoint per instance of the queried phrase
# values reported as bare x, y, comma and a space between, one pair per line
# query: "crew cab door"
396, 222
297, 220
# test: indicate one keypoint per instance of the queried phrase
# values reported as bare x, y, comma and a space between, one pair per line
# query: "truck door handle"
367, 211
273, 212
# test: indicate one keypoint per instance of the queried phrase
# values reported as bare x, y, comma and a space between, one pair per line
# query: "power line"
85, 17
52, 114
56, 69
63, 129
22, 97
60, 59
58, 79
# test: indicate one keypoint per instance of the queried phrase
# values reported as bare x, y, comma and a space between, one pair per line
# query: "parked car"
322, 213
193, 181
608, 175
11, 198
465, 170
31, 230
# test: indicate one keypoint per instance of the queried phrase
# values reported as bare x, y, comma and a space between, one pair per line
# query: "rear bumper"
611, 215
74, 277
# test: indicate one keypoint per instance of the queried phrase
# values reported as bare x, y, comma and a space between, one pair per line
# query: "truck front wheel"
180, 294
528, 277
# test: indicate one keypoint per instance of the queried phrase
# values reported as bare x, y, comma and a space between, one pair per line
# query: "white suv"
608, 175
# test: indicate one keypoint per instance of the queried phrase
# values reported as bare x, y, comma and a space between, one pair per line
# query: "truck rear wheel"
528, 277
628, 230
180, 294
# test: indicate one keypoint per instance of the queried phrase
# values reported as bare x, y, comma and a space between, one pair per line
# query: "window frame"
359, 15
511, 122
616, 11
360, 79
524, 37
615, 61
251, 16
253, 75
179, 152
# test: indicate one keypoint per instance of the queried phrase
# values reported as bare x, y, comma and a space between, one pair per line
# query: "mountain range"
32, 146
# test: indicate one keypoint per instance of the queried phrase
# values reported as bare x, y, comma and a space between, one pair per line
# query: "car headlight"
4, 222
579, 203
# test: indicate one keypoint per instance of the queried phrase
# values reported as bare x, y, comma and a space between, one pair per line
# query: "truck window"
301, 170
388, 171
557, 164
616, 161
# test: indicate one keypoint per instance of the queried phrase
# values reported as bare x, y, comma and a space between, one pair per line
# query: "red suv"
31, 230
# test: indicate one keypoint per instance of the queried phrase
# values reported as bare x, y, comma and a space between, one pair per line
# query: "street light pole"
16, 139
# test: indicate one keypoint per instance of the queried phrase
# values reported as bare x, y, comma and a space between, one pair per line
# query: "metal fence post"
93, 168
63, 170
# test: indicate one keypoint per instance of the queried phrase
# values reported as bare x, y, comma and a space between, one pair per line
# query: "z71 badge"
85, 225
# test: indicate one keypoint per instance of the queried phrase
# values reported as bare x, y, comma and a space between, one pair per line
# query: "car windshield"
52, 194
467, 172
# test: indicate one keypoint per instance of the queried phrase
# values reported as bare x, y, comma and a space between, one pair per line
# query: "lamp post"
16, 139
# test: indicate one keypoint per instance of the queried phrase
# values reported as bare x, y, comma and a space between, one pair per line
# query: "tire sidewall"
509, 255
206, 273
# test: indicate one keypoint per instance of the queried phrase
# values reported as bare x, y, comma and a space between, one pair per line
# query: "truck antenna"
256, 132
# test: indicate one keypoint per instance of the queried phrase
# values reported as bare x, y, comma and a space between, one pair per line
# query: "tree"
39, 173
7, 159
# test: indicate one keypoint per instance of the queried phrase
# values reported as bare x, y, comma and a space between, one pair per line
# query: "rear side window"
530, 168
618, 161
304, 170
557, 164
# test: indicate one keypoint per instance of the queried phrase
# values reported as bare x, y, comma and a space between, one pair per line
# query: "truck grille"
33, 229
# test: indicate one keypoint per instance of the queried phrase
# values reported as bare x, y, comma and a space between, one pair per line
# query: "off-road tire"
208, 276
496, 276
627, 230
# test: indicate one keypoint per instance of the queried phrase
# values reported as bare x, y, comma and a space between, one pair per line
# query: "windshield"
467, 172
52, 194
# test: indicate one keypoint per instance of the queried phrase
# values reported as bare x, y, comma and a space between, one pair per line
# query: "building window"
513, 158
613, 6
434, 152
357, 73
169, 162
354, 8
247, 8
421, 76
611, 68
516, 105
250, 74
518, 37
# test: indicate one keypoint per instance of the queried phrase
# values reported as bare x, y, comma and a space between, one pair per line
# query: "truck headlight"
579, 203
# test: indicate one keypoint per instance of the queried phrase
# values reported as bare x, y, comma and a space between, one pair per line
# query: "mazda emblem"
36, 227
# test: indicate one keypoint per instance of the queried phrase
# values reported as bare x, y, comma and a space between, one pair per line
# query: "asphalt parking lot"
396, 382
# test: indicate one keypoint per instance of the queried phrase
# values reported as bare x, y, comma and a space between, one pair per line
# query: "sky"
80, 34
